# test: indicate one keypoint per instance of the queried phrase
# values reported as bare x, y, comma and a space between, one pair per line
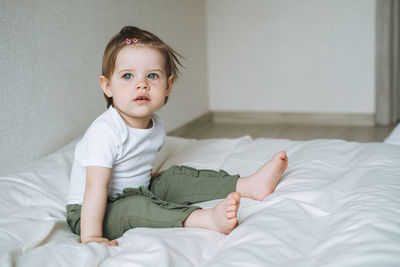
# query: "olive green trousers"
165, 203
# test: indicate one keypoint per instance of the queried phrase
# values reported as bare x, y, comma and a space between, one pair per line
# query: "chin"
141, 115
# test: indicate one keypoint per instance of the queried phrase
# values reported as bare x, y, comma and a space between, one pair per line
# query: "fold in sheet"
338, 204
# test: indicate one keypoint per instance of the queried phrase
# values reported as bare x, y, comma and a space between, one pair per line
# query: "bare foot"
222, 218
263, 182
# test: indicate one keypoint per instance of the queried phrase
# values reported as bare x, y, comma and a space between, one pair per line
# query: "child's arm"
94, 206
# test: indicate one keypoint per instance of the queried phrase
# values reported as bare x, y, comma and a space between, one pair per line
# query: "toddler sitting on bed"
111, 190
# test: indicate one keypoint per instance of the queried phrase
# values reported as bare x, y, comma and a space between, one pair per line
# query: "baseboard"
197, 122
327, 119
274, 118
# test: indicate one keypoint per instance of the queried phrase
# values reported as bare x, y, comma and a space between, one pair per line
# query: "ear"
105, 85
171, 81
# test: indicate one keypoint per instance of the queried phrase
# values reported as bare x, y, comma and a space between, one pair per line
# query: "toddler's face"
139, 83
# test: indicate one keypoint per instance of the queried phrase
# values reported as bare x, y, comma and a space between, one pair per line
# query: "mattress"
338, 204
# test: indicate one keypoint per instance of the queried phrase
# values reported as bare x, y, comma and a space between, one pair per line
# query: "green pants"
166, 203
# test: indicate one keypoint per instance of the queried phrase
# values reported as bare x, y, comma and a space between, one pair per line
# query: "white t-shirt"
110, 143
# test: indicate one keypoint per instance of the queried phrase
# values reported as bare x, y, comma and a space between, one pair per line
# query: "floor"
294, 132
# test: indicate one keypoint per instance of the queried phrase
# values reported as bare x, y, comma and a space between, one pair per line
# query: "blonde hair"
143, 37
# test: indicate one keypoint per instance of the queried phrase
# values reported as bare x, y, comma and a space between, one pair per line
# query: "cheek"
160, 84
157, 82
122, 93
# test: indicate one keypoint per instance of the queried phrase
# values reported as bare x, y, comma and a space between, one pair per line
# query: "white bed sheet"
338, 204
394, 136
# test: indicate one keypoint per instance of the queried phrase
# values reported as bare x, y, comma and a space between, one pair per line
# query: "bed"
338, 204
394, 136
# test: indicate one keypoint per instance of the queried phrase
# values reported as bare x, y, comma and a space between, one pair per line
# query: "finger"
155, 173
112, 243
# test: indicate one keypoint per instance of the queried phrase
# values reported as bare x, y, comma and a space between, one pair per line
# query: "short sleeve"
160, 129
98, 147
163, 136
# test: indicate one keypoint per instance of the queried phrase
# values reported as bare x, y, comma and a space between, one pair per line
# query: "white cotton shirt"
110, 143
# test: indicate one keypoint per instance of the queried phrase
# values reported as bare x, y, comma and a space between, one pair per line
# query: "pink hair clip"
131, 41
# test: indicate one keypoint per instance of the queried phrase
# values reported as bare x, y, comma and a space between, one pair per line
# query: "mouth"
142, 99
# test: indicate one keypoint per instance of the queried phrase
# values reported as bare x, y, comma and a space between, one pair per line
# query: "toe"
230, 201
230, 214
233, 198
236, 196
231, 208
233, 222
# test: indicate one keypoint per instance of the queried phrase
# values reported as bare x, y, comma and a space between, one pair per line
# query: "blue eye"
127, 76
152, 76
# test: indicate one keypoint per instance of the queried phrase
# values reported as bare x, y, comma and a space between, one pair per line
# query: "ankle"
244, 186
197, 219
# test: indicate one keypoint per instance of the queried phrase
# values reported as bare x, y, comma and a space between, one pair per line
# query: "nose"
142, 84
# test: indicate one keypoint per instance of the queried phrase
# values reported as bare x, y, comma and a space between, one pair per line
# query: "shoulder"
103, 141
108, 125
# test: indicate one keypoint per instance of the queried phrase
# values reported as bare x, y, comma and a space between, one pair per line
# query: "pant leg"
135, 207
74, 218
186, 185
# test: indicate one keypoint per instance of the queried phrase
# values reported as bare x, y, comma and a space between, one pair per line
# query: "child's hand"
102, 240
155, 173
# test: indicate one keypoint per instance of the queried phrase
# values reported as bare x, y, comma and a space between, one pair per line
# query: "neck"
133, 122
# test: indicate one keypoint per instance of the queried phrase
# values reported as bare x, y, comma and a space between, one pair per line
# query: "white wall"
51, 54
263, 55
289, 55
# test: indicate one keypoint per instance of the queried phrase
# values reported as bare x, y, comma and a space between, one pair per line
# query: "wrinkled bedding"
338, 204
